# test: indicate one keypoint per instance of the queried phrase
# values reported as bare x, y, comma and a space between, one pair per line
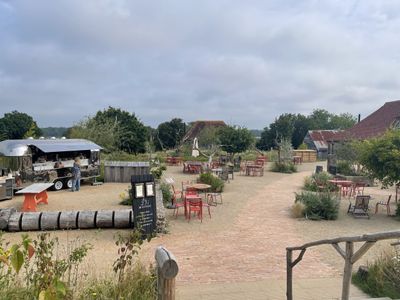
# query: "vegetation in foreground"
382, 278
34, 269
317, 206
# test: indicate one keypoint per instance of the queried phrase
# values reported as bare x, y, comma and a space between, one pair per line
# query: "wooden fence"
122, 171
348, 254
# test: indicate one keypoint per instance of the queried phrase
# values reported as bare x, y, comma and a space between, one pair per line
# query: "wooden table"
34, 194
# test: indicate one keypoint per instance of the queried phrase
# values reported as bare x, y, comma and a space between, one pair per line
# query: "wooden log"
104, 219
123, 218
5, 216
348, 266
86, 219
166, 262
68, 220
49, 220
14, 222
167, 269
289, 275
30, 221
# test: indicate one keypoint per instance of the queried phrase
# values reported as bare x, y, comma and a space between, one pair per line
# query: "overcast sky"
244, 62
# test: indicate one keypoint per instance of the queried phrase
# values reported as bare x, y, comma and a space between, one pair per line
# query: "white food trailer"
30, 161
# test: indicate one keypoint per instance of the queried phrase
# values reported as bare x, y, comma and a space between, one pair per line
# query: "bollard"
167, 269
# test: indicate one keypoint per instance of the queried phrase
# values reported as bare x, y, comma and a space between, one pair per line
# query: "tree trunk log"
5, 216
104, 219
30, 221
123, 218
49, 220
86, 219
68, 220
14, 221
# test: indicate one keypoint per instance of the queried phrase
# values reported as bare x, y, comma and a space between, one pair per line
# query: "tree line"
117, 130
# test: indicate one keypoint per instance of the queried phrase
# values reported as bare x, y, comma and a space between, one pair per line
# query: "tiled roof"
322, 135
376, 123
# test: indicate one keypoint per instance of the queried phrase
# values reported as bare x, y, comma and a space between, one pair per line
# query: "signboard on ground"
144, 203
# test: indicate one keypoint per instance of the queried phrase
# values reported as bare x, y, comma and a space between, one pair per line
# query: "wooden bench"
34, 194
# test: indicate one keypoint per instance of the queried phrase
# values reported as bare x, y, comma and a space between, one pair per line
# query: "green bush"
166, 192
319, 205
217, 185
283, 167
313, 182
398, 211
383, 277
345, 168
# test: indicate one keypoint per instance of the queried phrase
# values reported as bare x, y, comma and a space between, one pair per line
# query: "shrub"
313, 182
217, 185
298, 210
398, 211
46, 275
319, 205
284, 167
345, 168
166, 192
126, 197
383, 277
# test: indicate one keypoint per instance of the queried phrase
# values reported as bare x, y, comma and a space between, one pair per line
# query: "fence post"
348, 266
289, 276
167, 269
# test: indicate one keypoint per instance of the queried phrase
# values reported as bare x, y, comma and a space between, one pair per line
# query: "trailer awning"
20, 147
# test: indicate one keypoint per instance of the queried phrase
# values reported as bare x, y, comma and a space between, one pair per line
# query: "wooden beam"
360, 252
361, 238
348, 266
299, 258
289, 275
339, 250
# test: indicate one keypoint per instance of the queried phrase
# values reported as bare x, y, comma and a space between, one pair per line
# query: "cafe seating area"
193, 199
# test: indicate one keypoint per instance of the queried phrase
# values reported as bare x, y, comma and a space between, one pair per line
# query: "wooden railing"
348, 254
167, 269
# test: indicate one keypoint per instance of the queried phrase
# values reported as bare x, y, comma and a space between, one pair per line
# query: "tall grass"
382, 278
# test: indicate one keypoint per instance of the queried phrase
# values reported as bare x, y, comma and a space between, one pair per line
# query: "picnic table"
34, 194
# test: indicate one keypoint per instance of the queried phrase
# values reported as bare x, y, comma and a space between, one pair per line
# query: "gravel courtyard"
240, 252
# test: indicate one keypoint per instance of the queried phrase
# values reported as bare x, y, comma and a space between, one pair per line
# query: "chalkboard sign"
144, 203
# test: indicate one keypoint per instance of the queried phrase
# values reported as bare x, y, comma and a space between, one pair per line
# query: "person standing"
76, 175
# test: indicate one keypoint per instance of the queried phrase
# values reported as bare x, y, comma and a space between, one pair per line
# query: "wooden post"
167, 269
289, 275
348, 266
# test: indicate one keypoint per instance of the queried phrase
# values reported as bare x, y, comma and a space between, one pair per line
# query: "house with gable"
374, 125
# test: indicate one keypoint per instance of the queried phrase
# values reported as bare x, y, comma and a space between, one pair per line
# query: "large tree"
17, 125
381, 157
132, 134
170, 134
294, 127
104, 133
235, 139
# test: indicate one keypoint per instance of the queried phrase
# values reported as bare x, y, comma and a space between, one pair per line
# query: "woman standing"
76, 175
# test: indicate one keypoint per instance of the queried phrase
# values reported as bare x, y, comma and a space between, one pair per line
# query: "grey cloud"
242, 62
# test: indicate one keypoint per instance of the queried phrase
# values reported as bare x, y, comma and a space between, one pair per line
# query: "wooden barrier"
167, 269
348, 254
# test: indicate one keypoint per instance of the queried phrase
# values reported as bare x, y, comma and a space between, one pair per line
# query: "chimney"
359, 118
